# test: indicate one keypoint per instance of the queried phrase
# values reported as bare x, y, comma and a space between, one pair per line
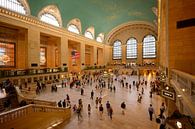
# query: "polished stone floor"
136, 115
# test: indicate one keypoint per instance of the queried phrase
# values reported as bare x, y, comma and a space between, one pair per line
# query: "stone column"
123, 53
33, 51
139, 53
82, 55
63, 52
95, 55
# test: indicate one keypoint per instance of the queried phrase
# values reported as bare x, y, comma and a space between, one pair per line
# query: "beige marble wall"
135, 30
181, 41
33, 47
29, 44
63, 47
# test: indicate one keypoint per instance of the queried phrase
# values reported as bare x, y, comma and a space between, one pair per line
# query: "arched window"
51, 15
73, 28
99, 39
88, 35
117, 50
131, 48
149, 47
14, 5
50, 19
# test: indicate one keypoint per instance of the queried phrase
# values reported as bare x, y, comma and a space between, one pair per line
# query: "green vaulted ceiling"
104, 15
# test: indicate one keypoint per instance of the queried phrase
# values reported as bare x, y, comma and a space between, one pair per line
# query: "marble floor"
136, 114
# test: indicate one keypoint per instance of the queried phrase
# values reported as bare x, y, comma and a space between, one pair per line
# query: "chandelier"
4, 58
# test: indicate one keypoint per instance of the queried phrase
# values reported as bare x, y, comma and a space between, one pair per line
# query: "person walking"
101, 109
79, 112
96, 102
108, 107
114, 88
151, 111
89, 110
92, 94
110, 112
123, 107
82, 91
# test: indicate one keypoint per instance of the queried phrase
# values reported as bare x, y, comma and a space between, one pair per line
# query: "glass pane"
149, 47
13, 5
7, 54
50, 19
131, 48
73, 28
88, 35
117, 50
42, 56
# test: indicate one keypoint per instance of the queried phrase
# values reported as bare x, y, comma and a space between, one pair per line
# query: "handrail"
185, 75
184, 85
29, 109
35, 101
40, 102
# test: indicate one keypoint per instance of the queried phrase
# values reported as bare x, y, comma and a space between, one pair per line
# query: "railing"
186, 82
40, 102
29, 109
184, 85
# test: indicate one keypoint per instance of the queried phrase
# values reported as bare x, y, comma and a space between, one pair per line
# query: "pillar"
139, 53
82, 55
123, 54
63, 52
95, 55
33, 51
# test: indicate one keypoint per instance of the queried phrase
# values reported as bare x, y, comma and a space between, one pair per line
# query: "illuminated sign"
168, 94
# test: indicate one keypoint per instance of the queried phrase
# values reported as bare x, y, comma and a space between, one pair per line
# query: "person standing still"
151, 111
111, 112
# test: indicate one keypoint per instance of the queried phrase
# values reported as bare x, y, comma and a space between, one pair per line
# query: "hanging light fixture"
4, 58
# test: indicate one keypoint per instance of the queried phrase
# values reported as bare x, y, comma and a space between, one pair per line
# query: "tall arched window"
149, 47
51, 15
50, 19
131, 48
117, 50
88, 35
73, 28
14, 5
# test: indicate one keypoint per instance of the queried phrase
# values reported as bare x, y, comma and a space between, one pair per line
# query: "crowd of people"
99, 84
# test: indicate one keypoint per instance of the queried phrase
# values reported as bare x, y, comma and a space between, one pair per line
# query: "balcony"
184, 85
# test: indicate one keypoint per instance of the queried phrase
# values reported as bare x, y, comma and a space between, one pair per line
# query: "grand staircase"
37, 114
